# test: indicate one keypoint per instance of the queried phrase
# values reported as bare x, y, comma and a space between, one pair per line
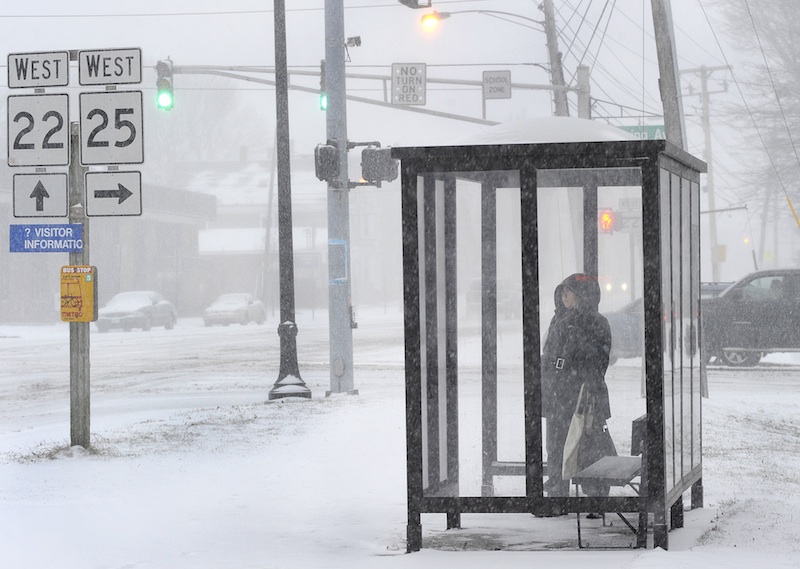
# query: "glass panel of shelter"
683, 380
470, 325
566, 213
461, 457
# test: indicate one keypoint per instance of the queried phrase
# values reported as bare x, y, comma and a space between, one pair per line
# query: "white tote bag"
569, 465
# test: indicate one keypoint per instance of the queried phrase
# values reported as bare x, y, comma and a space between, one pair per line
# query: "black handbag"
595, 443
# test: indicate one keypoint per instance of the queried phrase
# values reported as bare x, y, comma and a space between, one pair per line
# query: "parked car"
137, 309
756, 315
709, 290
232, 308
627, 323
627, 331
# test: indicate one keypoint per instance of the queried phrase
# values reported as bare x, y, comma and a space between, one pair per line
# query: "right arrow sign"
113, 193
121, 193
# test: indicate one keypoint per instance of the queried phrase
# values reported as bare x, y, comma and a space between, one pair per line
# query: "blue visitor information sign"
46, 238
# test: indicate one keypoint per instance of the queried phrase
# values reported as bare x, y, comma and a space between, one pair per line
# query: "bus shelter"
488, 233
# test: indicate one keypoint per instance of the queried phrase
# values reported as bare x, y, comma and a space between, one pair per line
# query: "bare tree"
768, 76
212, 121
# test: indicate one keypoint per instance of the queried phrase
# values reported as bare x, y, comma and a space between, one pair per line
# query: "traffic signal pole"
340, 311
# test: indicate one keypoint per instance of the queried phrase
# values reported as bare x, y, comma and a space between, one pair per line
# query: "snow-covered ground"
192, 467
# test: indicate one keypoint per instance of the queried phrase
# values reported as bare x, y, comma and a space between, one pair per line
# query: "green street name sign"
647, 132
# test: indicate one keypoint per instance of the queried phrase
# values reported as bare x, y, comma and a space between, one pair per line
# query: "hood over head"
586, 287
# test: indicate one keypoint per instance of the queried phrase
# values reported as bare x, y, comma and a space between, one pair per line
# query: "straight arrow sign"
113, 193
40, 195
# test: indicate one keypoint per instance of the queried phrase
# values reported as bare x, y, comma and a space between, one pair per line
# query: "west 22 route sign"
38, 130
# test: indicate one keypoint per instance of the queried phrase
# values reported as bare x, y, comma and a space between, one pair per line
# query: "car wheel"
170, 323
261, 319
244, 319
147, 325
739, 359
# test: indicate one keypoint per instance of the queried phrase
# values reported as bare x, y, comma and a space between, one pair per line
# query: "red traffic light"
607, 221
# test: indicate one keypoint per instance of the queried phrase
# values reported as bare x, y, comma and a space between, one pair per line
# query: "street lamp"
289, 382
432, 19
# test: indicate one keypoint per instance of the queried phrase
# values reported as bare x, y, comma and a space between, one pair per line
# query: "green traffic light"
164, 100
323, 101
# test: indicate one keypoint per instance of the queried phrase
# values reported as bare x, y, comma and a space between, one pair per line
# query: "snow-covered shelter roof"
547, 129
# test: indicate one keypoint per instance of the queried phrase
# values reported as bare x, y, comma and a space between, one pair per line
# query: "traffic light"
377, 165
607, 221
323, 90
164, 96
326, 162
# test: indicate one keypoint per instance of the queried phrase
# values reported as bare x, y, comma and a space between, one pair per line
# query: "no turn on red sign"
408, 83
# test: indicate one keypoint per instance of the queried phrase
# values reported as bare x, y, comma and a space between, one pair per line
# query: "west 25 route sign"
111, 128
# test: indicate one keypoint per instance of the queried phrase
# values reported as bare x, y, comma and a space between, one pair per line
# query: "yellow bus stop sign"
78, 293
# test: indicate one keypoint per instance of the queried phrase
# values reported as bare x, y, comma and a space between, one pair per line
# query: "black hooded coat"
576, 351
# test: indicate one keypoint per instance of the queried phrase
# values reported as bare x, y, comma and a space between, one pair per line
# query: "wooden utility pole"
704, 73
669, 80
556, 69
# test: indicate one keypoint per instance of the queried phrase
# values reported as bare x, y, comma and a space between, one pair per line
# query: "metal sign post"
79, 389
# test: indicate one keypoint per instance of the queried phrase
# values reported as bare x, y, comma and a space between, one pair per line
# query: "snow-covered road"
191, 467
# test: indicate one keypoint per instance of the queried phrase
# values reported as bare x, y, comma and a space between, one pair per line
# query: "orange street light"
432, 19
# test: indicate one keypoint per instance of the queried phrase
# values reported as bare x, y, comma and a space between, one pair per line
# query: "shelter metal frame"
674, 371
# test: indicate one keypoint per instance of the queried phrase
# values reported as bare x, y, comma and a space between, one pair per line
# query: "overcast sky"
620, 52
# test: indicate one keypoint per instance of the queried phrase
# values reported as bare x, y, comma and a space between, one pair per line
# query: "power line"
601, 70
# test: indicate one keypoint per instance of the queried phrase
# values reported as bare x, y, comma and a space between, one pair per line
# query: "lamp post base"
289, 383
289, 386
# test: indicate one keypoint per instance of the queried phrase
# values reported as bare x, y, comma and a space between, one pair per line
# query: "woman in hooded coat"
576, 352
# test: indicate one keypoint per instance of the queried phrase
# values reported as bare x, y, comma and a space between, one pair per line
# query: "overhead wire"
567, 24
598, 68
594, 31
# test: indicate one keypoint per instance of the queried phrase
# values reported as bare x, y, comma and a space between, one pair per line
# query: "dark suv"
756, 315
627, 323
